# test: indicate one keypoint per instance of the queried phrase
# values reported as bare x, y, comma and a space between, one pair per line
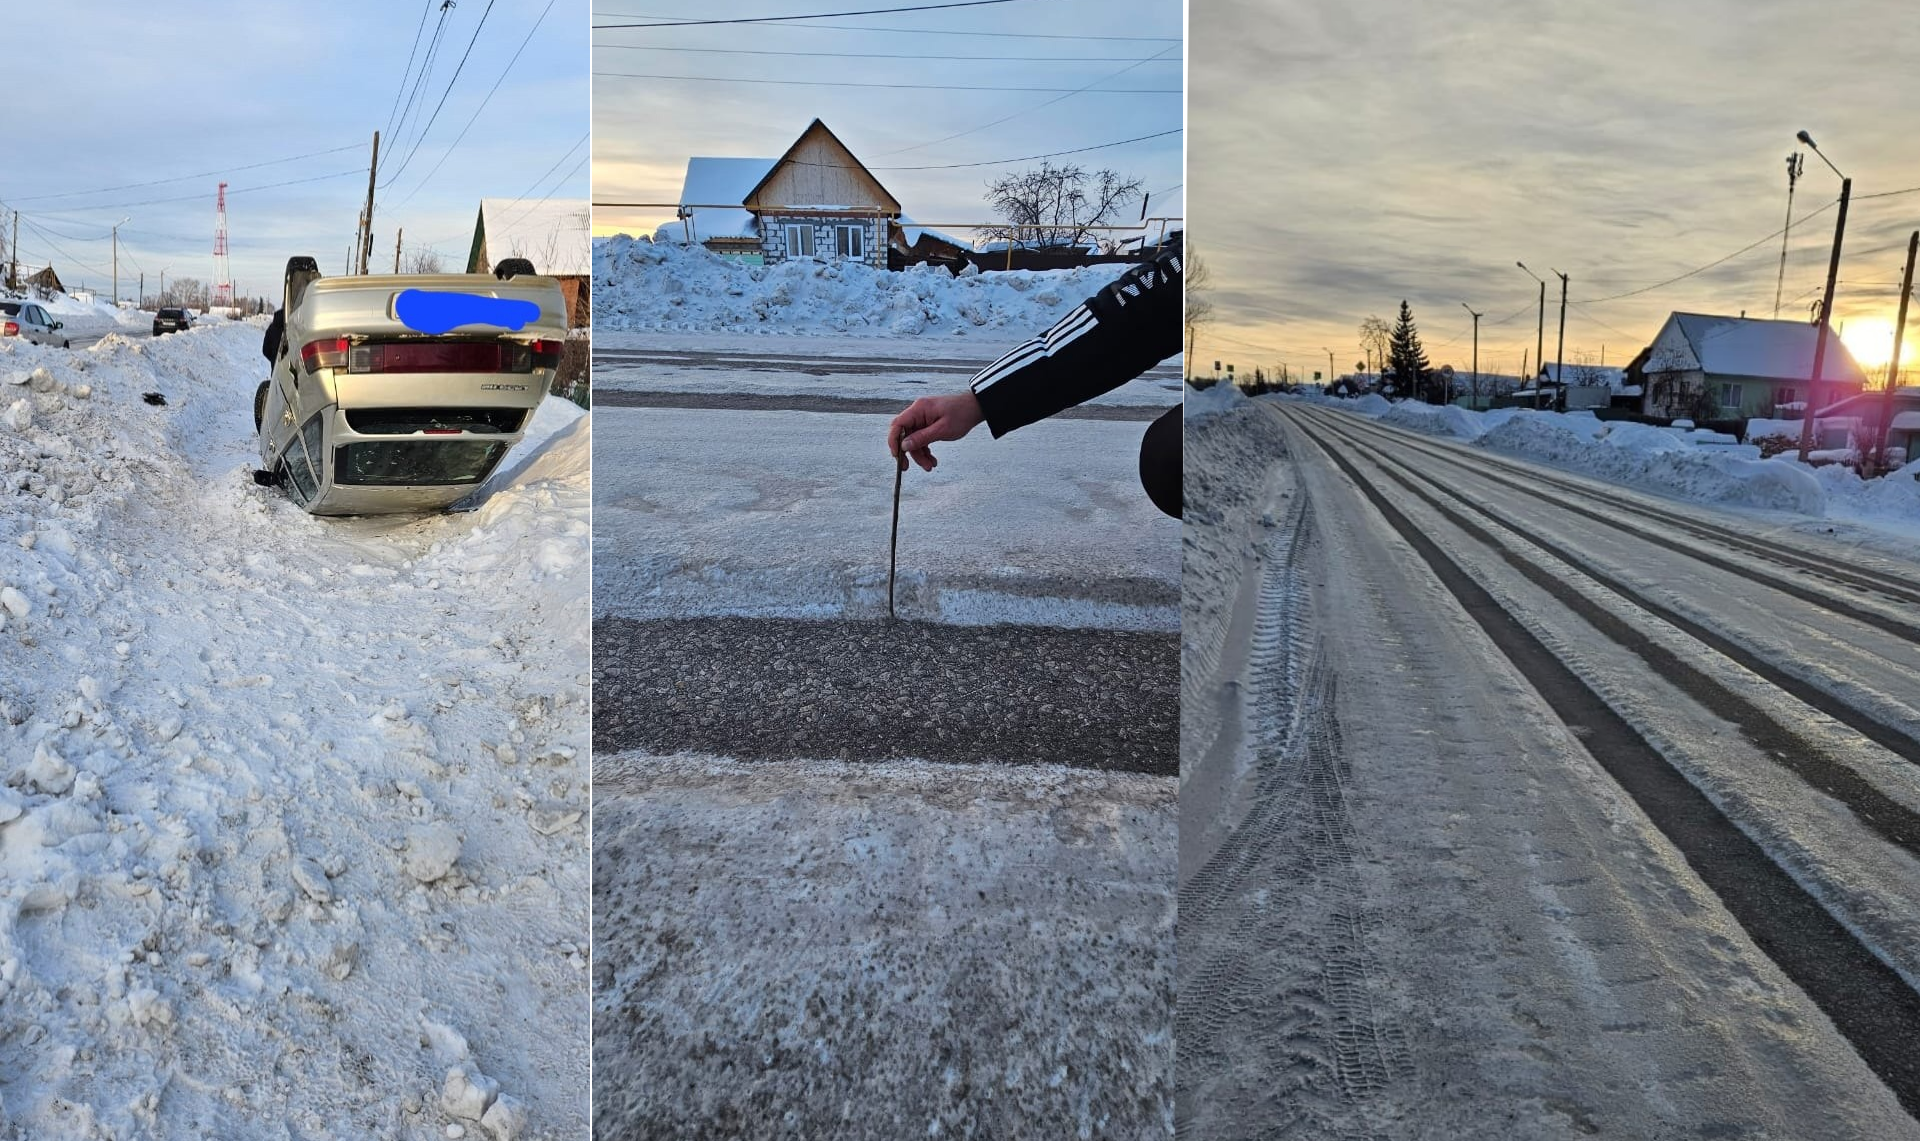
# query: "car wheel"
259, 405
66, 344
513, 267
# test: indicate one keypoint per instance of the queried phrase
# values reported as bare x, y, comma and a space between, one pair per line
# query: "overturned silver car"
402, 393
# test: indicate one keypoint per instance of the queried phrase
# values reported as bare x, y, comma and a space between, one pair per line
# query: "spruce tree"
1406, 359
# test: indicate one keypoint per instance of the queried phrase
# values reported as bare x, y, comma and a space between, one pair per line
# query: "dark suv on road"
171, 321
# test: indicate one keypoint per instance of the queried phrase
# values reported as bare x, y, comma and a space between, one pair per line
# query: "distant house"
44, 280
1735, 367
1857, 417
817, 201
555, 235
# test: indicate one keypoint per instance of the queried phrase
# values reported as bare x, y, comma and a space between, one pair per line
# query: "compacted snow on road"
292, 836
1518, 805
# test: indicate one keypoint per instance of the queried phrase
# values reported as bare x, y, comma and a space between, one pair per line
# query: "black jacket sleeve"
276, 332
1107, 340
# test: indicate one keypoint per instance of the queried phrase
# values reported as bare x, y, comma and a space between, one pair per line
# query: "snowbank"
1212, 400
293, 806
1641, 459
638, 284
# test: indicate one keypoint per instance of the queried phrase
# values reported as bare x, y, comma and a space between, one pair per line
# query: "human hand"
931, 419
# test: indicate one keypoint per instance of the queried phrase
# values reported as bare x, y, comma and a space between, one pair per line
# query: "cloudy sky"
164, 101
1032, 55
1347, 156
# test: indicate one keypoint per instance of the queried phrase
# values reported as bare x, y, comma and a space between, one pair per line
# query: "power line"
411, 52
1027, 110
889, 86
455, 145
951, 32
231, 191
1031, 158
808, 16
71, 260
1708, 266
922, 56
183, 177
422, 77
431, 120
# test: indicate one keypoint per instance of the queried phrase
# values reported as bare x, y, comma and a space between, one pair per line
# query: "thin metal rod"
893, 549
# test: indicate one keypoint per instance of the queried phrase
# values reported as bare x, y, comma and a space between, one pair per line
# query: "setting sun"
1870, 340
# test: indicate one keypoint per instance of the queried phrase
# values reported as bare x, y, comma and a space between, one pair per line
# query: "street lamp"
1476, 351
1540, 330
1329, 365
1826, 306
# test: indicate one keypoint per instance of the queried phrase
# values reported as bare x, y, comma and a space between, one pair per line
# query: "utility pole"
13, 274
397, 235
1560, 350
1826, 319
1476, 351
143, 290
1795, 163
366, 237
1893, 367
116, 265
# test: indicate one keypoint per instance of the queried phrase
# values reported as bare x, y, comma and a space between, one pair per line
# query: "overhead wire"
808, 16
435, 117
411, 53
181, 178
922, 56
887, 86
956, 32
1034, 158
455, 145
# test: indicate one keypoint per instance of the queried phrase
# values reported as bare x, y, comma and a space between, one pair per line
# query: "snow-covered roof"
1576, 373
555, 235
912, 233
1749, 346
1905, 398
714, 182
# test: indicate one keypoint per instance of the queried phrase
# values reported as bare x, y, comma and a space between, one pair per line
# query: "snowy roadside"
1698, 466
293, 808
640, 284
906, 950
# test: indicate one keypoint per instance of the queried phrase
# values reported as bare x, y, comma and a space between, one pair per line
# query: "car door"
37, 326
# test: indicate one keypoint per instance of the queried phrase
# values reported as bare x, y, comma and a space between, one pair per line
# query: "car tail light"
330, 353
10, 329
451, 356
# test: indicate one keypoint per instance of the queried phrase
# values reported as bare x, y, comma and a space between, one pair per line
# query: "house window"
1730, 395
799, 241
1784, 396
850, 241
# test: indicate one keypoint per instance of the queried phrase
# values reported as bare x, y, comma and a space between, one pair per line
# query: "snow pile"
1211, 400
291, 809
1894, 498
1436, 419
638, 284
1688, 472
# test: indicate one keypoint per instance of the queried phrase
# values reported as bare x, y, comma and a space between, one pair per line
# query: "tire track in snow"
1257, 1057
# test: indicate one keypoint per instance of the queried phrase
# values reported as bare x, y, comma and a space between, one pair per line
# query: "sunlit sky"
146, 94
645, 129
1346, 156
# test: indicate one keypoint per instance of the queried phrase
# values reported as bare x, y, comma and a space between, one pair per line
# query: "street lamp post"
1476, 351
1540, 330
1826, 305
1329, 366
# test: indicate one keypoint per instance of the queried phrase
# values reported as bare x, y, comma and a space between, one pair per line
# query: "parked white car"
402, 393
27, 319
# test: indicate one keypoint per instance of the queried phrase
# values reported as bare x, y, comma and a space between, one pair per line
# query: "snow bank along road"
869, 879
1519, 805
291, 821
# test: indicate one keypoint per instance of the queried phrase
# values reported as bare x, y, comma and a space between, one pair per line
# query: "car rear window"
10, 308
398, 463
170, 312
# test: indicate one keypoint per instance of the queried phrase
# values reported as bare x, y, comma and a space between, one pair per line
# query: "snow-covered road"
1596, 812
293, 820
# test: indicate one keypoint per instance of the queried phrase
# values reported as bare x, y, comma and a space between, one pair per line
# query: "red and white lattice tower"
222, 276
